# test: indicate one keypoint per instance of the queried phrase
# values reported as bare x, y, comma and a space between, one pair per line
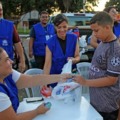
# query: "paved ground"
25, 42
22, 93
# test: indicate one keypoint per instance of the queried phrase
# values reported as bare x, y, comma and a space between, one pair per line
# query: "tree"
75, 5
67, 4
16, 8
115, 3
13, 9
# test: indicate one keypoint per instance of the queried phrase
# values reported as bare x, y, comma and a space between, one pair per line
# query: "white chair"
35, 91
83, 70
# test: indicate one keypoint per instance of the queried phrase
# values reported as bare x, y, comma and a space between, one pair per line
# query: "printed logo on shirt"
95, 69
4, 43
48, 37
115, 61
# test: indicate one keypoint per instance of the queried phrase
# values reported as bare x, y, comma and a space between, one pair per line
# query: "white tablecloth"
62, 111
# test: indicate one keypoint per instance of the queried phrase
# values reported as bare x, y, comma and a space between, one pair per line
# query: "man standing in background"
9, 39
39, 34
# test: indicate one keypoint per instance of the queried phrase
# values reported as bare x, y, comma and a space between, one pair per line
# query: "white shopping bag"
82, 41
67, 68
69, 92
63, 90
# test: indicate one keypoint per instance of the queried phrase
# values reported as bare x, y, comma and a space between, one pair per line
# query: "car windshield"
79, 20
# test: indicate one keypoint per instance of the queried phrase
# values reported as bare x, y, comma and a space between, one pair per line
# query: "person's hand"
71, 58
22, 66
64, 77
79, 79
30, 54
42, 109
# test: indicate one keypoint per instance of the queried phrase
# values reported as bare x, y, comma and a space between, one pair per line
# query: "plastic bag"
69, 92
67, 68
63, 90
82, 51
82, 41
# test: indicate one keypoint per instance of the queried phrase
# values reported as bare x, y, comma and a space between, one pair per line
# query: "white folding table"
61, 111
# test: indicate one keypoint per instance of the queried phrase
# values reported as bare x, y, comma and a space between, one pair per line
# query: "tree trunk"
67, 4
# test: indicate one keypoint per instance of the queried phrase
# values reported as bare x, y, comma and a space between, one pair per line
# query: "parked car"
81, 20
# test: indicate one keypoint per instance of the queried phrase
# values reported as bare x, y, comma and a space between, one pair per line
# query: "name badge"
47, 37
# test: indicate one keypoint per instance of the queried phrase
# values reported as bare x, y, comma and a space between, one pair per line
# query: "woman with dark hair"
61, 47
12, 80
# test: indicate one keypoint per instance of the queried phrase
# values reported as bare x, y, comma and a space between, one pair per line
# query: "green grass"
22, 94
22, 31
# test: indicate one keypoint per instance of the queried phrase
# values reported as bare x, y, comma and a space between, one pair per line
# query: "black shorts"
110, 116
40, 61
